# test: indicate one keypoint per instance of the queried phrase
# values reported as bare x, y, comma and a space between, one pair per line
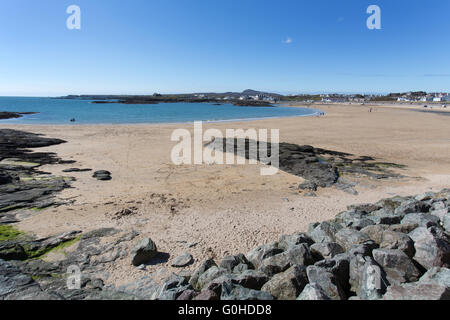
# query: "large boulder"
326, 250
432, 247
421, 219
209, 275
326, 281
446, 222
144, 251
287, 285
288, 241
257, 255
398, 266
375, 232
417, 291
313, 292
232, 291
251, 279
367, 278
324, 232
230, 262
349, 237
297, 255
398, 240
433, 285
199, 271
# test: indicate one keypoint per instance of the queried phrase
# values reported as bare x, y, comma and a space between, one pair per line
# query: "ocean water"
59, 111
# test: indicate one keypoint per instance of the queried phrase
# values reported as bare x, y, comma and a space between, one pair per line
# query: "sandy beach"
215, 210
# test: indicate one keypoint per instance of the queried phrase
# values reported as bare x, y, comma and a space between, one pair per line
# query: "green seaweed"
8, 233
41, 253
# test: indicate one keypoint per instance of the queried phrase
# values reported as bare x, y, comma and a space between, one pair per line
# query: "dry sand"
227, 209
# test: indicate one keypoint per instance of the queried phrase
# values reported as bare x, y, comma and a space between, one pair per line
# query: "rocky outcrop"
22, 185
319, 167
338, 259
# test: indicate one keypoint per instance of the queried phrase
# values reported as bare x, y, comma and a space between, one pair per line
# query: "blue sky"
167, 46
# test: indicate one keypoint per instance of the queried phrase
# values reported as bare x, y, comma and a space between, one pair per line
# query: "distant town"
258, 98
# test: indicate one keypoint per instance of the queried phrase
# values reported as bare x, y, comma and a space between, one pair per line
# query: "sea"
61, 111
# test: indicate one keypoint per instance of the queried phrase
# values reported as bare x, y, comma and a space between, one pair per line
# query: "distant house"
334, 99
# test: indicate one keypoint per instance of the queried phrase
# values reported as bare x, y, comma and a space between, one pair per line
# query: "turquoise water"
58, 111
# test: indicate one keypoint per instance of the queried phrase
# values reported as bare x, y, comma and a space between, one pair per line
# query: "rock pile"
397, 248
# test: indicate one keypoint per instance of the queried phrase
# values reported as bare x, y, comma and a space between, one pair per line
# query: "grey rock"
412, 206
365, 208
359, 224
398, 266
403, 228
257, 255
251, 279
297, 255
446, 222
100, 233
288, 284
440, 213
288, 241
421, 219
326, 250
384, 216
199, 271
10, 250
308, 185
143, 252
187, 295
144, 288
206, 295
398, 240
437, 275
326, 281
432, 247
209, 275
339, 266
183, 260
230, 262
375, 232
349, 237
417, 291
367, 279
313, 292
102, 175
241, 267
236, 292
364, 249
324, 232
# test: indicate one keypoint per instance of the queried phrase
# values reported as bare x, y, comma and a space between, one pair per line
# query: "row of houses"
427, 98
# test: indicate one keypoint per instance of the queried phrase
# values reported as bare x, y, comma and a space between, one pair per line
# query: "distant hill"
250, 92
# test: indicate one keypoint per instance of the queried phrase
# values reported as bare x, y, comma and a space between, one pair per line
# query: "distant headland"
251, 97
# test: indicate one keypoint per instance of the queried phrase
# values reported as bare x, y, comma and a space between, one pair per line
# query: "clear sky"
168, 46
